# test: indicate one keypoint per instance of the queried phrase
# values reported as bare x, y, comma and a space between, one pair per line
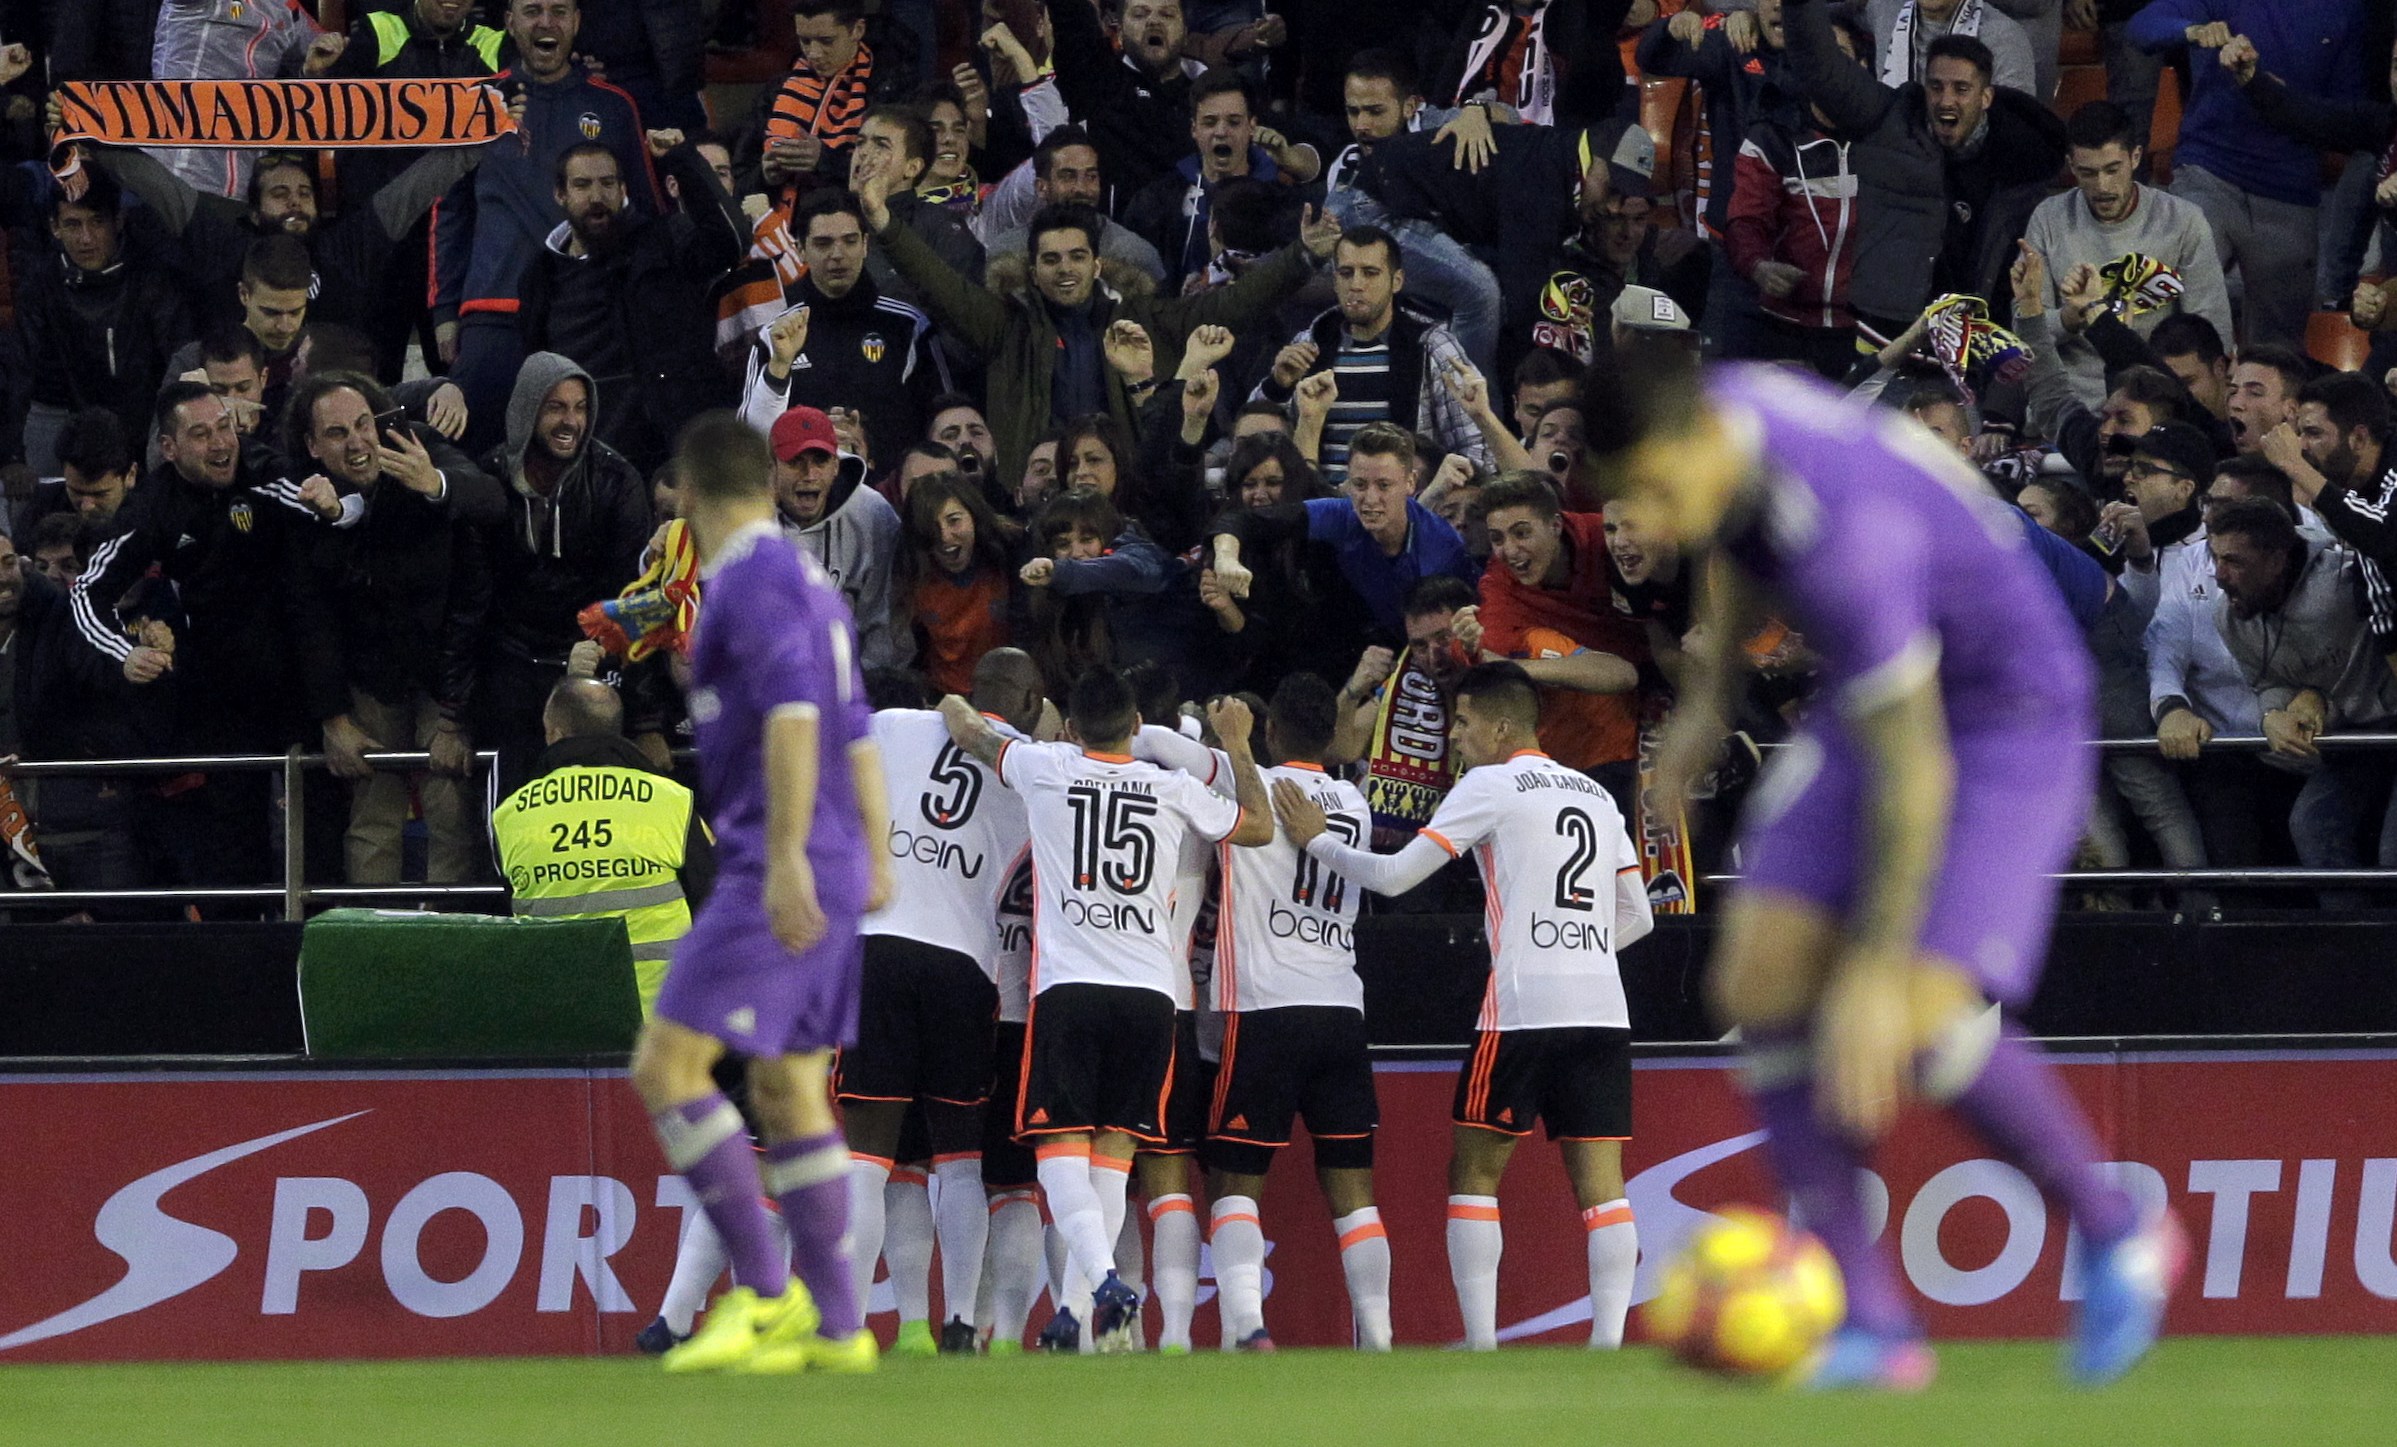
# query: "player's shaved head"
1301, 718
582, 708
1102, 710
1007, 683
720, 458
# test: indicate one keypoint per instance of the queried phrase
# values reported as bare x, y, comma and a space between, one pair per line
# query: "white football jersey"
1107, 839
955, 832
1563, 891
1170, 749
1287, 931
1014, 969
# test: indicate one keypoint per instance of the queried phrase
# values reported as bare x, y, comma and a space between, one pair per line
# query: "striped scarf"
808, 104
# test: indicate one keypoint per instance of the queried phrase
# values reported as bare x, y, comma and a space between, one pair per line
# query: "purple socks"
706, 1141
2019, 1105
811, 1179
2013, 1099
1819, 1169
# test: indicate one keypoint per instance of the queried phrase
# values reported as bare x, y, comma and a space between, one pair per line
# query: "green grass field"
2232, 1391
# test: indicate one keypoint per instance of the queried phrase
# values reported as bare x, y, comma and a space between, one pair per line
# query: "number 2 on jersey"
1112, 839
1572, 889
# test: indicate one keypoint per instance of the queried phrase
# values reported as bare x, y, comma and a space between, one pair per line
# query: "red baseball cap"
802, 429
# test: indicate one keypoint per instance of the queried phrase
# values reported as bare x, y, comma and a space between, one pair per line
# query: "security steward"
598, 832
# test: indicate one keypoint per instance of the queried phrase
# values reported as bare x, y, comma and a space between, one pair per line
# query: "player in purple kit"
770, 967
1898, 853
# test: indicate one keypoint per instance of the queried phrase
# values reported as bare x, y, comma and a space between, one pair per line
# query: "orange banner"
282, 114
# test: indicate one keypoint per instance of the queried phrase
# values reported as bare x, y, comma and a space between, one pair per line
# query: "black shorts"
1296, 1062
1576, 1081
1102, 1058
1006, 1162
1194, 1085
924, 1018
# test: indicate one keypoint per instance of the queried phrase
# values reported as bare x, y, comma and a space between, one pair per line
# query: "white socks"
1474, 1244
907, 1243
1365, 1261
1173, 1223
1236, 1242
868, 1176
699, 1259
961, 1217
1012, 1267
1066, 1179
1614, 1259
1112, 1180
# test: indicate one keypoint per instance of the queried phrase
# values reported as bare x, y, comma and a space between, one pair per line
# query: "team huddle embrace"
1117, 1034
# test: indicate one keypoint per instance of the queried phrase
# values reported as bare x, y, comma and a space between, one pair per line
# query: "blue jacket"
1383, 583
490, 226
2314, 46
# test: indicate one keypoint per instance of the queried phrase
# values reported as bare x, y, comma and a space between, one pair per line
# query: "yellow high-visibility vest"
587, 841
391, 37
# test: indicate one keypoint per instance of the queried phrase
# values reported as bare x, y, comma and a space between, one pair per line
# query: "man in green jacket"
1044, 349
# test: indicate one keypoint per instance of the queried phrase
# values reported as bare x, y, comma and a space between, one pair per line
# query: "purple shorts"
731, 979
2022, 800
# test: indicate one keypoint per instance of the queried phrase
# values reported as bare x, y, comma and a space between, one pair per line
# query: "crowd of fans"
1186, 334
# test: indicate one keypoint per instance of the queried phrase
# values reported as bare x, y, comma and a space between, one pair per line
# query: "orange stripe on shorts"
1060, 1148
1110, 1163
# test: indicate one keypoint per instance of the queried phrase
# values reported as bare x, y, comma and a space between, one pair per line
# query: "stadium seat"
2334, 341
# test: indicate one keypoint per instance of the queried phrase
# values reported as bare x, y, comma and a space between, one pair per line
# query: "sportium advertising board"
321, 1215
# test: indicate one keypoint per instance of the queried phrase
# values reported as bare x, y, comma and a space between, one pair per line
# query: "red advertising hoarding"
313, 1214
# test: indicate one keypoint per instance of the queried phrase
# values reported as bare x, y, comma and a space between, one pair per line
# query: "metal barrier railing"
297, 894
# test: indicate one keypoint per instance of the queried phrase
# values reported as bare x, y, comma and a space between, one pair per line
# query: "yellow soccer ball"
1750, 1295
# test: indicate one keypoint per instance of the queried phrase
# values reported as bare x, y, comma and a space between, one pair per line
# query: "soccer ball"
1750, 1295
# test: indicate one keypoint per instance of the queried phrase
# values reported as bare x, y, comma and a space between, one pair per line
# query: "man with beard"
2145, 237
2343, 425
1547, 603
1136, 102
2292, 610
256, 661
577, 519
1389, 361
624, 295
843, 342
390, 581
491, 226
1950, 166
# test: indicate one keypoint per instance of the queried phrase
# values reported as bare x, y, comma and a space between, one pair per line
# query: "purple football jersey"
774, 633
1890, 556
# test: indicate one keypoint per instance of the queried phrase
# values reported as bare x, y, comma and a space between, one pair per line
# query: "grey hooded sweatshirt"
857, 542
573, 544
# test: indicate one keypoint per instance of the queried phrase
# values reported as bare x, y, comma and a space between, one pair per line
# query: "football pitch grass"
2234, 1390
